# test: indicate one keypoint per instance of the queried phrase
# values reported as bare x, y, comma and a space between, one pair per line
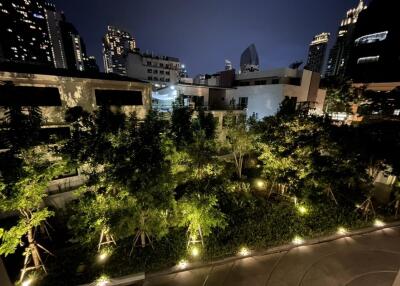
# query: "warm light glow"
260, 184
103, 256
342, 231
302, 210
103, 281
27, 282
297, 240
195, 251
183, 264
244, 251
379, 223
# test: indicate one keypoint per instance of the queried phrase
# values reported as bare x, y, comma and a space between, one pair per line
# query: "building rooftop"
280, 72
43, 70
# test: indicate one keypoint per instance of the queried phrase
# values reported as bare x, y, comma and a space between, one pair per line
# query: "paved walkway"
366, 260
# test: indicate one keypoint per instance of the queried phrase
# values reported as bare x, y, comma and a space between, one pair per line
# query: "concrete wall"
78, 92
264, 100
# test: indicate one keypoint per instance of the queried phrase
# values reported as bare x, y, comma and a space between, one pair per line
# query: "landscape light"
27, 282
195, 251
103, 256
244, 251
260, 184
297, 240
103, 281
183, 264
302, 210
342, 231
379, 223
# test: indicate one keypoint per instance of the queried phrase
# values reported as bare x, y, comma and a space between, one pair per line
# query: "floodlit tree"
200, 214
274, 167
340, 96
93, 213
240, 143
25, 196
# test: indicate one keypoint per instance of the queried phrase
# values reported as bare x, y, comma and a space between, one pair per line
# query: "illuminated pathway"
365, 260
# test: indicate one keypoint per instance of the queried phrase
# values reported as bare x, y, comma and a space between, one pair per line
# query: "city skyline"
281, 38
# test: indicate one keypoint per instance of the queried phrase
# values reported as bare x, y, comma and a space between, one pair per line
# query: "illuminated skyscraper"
375, 56
75, 49
316, 53
249, 61
24, 33
340, 53
116, 46
54, 18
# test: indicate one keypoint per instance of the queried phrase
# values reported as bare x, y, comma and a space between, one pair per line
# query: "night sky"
205, 33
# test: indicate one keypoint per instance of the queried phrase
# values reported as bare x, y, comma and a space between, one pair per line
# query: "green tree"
207, 123
240, 144
340, 96
181, 124
21, 127
200, 214
25, 196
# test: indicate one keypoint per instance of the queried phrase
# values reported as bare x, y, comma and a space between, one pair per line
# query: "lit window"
372, 38
396, 112
367, 60
38, 16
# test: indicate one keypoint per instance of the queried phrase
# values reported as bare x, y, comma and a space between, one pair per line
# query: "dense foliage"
154, 188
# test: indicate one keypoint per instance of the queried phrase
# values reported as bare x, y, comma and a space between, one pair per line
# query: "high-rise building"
249, 61
116, 46
340, 53
90, 64
228, 65
54, 18
24, 34
317, 52
375, 56
34, 32
75, 50
161, 71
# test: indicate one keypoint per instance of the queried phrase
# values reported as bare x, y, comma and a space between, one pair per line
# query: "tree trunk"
33, 249
143, 239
